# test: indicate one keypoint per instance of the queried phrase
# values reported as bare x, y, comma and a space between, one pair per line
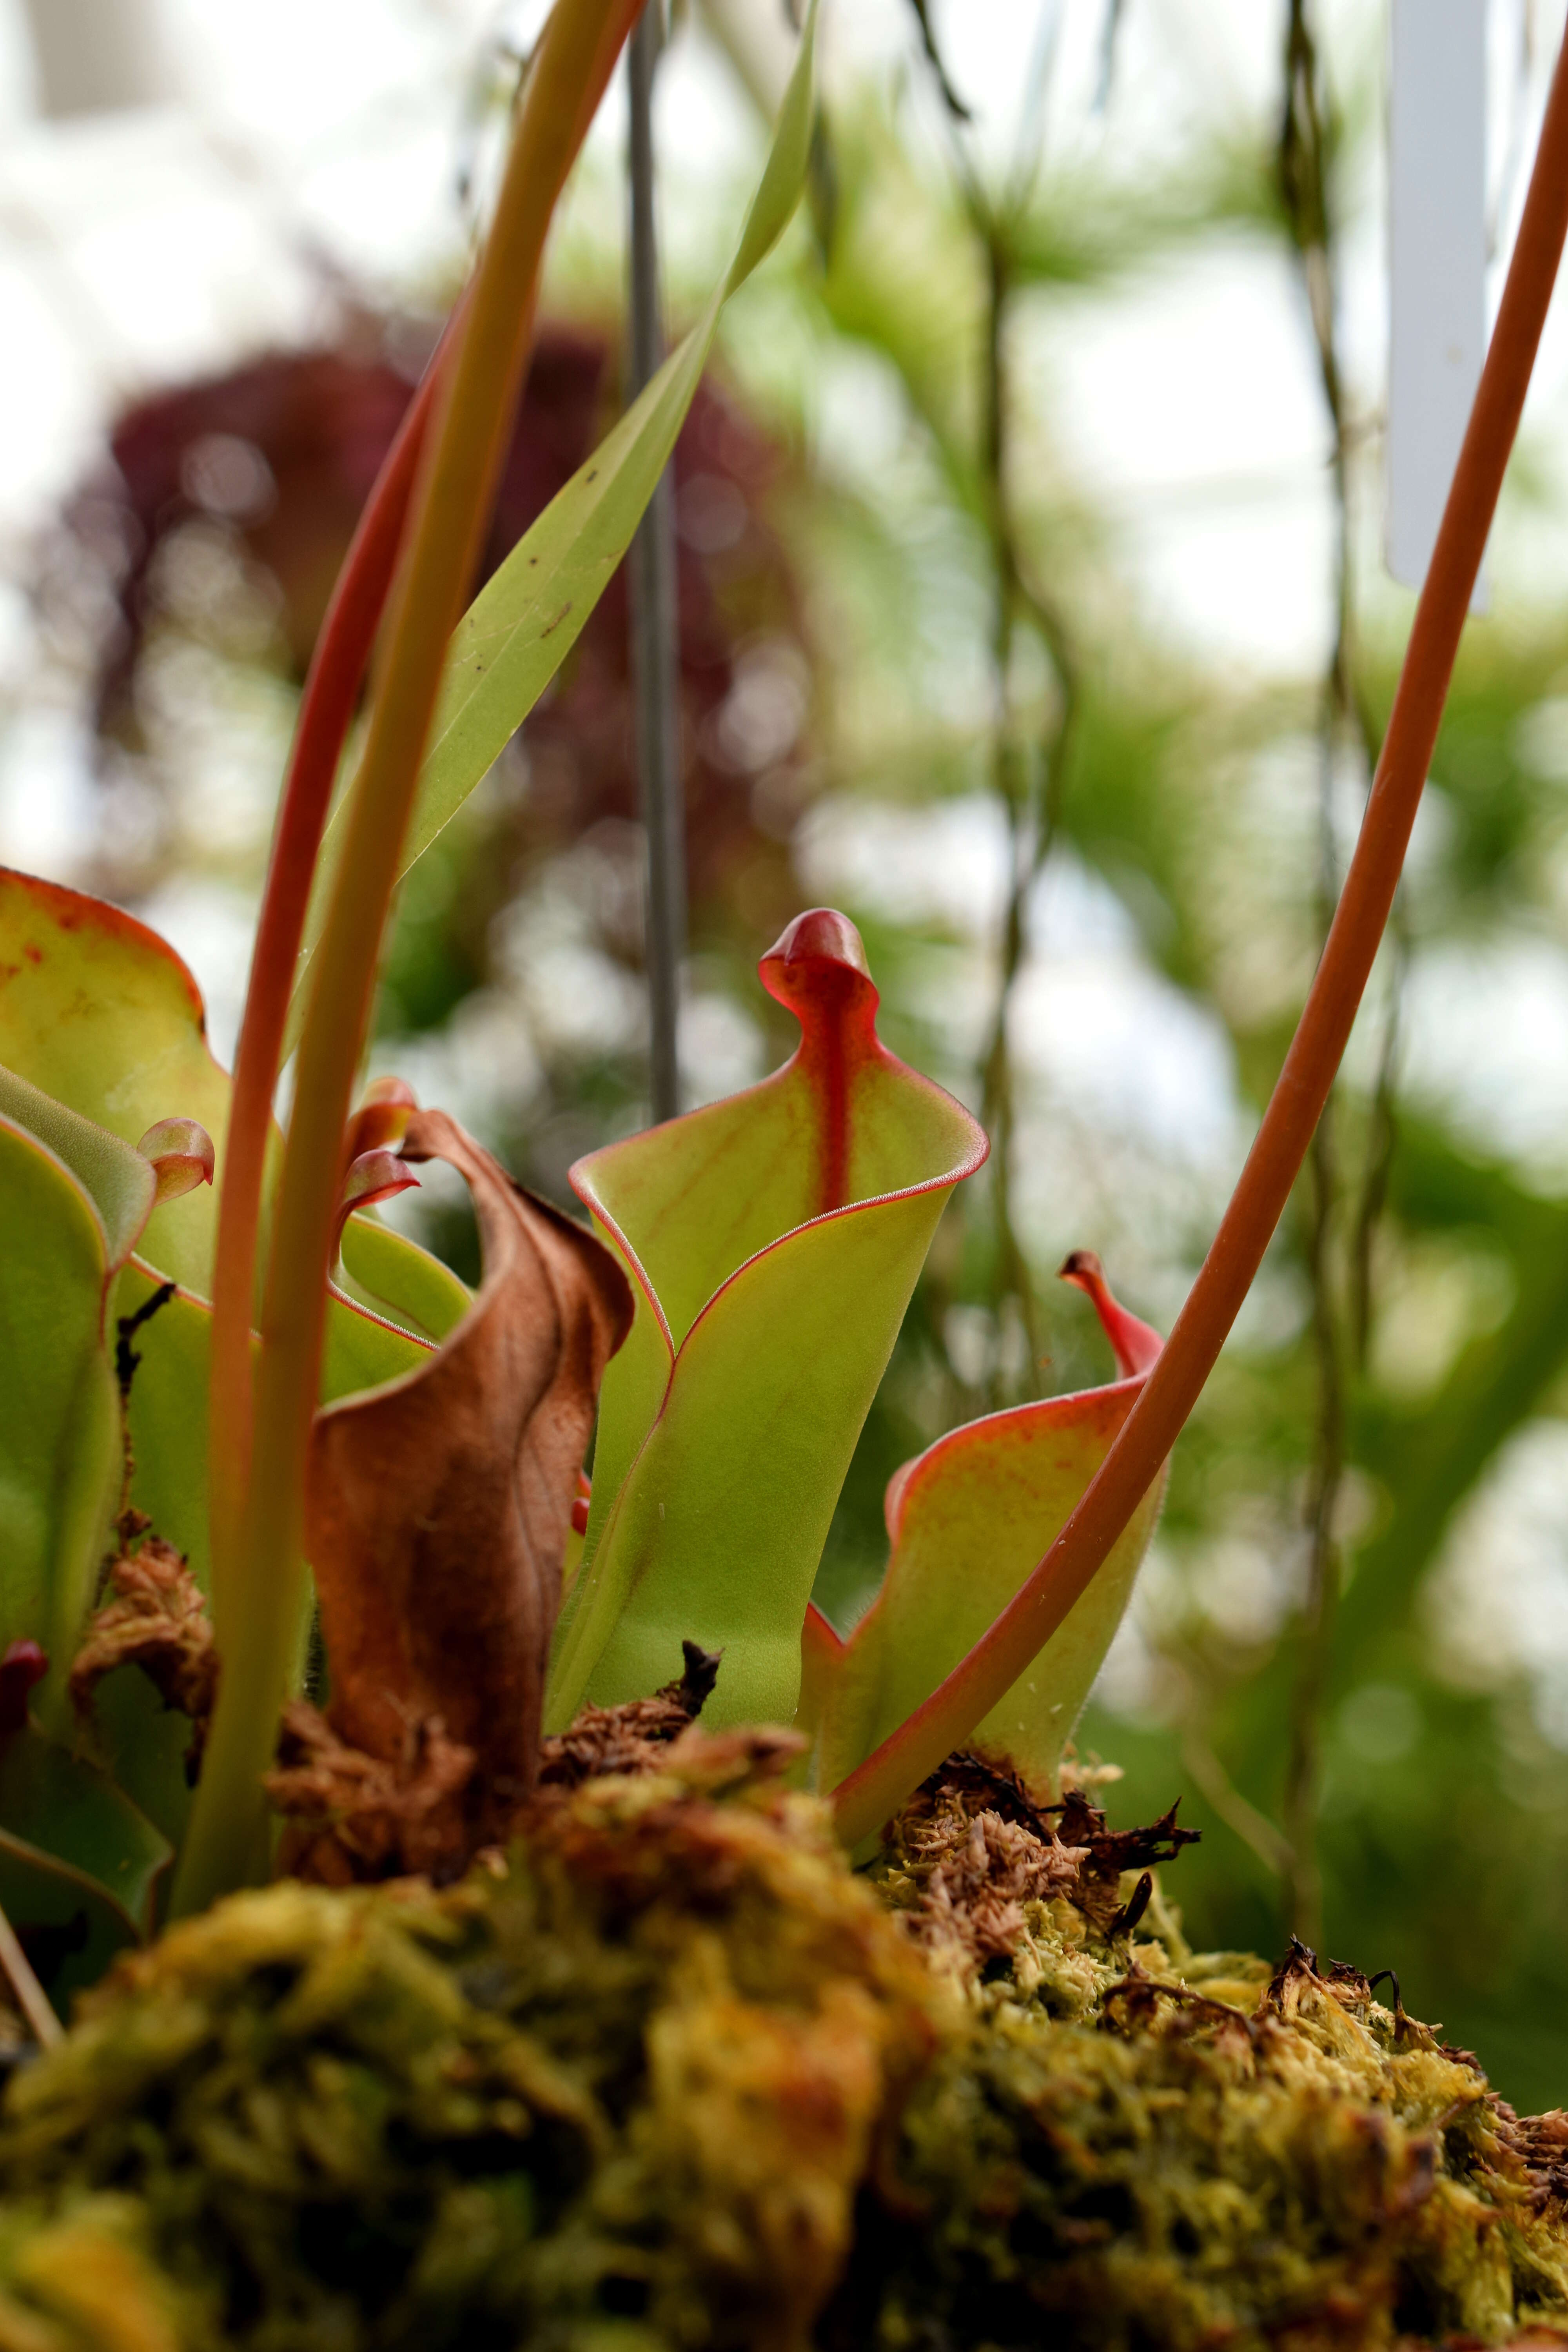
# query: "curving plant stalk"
464, 445
877, 1786
337, 671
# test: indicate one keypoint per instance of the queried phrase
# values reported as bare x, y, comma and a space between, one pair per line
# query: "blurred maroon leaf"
276, 459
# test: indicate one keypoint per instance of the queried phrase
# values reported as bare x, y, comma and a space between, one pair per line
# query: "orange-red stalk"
877, 1786
326, 712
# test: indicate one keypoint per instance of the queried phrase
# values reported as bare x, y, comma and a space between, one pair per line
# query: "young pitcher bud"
374, 1176
382, 1120
181, 1154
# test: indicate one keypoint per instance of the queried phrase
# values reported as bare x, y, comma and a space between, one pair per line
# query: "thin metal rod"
655, 615
31, 1998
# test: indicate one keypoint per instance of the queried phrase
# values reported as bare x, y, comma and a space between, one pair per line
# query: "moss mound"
672, 2077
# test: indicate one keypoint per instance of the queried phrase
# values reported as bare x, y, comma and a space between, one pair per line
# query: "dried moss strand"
876, 1789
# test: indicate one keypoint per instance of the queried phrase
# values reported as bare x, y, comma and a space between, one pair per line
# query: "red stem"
337, 672
875, 1789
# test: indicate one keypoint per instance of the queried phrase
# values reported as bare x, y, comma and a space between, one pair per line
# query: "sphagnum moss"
671, 2075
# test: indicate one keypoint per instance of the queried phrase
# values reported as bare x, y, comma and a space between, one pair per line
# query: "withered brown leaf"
438, 1505
349, 1816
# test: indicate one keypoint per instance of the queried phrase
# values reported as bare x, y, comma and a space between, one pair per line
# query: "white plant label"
1437, 262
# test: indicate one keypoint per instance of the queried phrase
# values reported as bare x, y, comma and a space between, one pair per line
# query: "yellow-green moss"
674, 2078
617, 2094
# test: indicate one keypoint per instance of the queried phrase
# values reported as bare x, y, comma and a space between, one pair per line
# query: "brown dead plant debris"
1540, 2144
1113, 1851
977, 1872
351, 1817
634, 1736
354, 1817
1133, 2005
971, 1851
157, 1621
438, 1505
1530, 2150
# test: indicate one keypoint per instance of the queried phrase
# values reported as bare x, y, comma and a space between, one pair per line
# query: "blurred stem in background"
1341, 1311
1028, 780
655, 621
1028, 777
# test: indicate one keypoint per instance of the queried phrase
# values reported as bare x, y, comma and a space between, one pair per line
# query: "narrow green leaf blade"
527, 618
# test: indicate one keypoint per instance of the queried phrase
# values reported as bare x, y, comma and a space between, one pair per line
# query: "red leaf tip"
818, 966
22, 1666
822, 935
1082, 1267
382, 1120
1136, 1344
